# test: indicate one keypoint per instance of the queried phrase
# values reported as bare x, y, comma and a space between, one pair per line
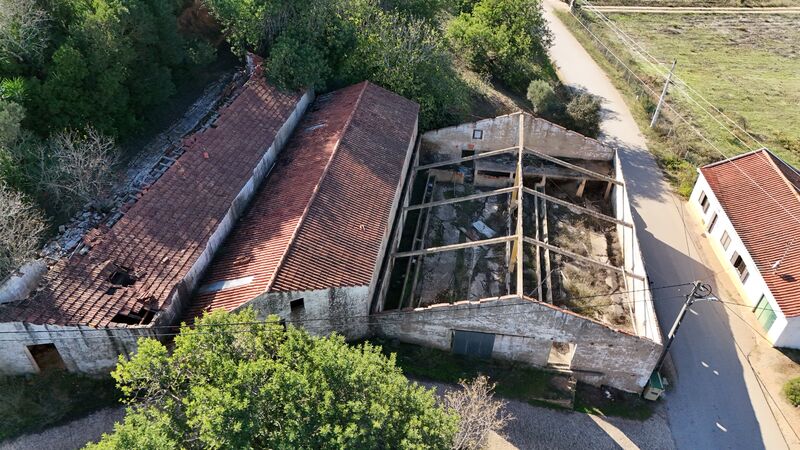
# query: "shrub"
584, 112
21, 228
544, 99
479, 413
11, 115
792, 391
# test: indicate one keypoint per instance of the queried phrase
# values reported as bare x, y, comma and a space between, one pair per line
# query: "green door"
764, 313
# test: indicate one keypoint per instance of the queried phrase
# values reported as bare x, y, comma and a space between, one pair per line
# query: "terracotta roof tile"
320, 218
165, 231
764, 207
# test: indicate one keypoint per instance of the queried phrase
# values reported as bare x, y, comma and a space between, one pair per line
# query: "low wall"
83, 349
343, 310
639, 296
525, 330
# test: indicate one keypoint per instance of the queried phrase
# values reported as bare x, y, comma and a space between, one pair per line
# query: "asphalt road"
716, 402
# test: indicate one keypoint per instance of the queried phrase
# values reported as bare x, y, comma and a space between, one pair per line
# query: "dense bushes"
332, 43
21, 227
576, 110
502, 38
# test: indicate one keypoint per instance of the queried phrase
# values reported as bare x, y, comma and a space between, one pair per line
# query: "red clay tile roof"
765, 217
162, 235
320, 218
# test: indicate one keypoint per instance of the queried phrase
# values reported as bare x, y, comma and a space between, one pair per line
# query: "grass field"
746, 65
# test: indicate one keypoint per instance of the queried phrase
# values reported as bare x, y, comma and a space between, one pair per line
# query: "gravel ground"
543, 428
71, 435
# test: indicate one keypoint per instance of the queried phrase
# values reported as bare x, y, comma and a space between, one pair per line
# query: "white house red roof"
759, 193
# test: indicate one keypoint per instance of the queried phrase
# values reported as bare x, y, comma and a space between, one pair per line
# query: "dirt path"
72, 435
696, 10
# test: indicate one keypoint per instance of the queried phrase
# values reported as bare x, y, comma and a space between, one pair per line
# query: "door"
764, 313
471, 343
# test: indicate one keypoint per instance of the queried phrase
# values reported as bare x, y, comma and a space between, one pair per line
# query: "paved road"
697, 10
716, 403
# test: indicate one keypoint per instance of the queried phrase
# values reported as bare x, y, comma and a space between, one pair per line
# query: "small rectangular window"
297, 305
725, 240
740, 266
704, 202
477, 134
46, 357
713, 222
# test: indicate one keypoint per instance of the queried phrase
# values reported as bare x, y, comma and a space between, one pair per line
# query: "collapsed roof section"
516, 205
133, 271
320, 219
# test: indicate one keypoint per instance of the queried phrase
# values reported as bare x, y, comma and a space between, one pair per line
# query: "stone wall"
525, 331
344, 310
503, 132
83, 349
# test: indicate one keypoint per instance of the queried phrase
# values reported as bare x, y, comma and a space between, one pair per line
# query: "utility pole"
700, 291
663, 95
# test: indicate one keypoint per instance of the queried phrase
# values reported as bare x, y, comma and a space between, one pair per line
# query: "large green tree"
232, 382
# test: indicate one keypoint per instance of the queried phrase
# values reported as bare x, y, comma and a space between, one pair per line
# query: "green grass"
744, 65
514, 380
29, 404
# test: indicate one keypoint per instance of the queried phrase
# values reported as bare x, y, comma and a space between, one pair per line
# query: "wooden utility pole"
663, 95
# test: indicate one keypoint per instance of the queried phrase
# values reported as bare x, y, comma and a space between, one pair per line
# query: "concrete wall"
784, 332
503, 132
343, 310
83, 349
641, 301
525, 331
181, 294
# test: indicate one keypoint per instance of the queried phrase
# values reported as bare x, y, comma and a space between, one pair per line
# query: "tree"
544, 99
79, 168
501, 37
21, 228
24, 32
478, 411
584, 111
234, 382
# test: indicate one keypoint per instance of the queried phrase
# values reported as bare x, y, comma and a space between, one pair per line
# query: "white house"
750, 205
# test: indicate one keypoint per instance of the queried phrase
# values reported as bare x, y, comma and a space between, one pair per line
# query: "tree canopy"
232, 382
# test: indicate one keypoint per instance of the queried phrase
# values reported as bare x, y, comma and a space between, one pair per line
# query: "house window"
297, 305
46, 357
764, 313
704, 202
477, 134
740, 266
713, 222
725, 240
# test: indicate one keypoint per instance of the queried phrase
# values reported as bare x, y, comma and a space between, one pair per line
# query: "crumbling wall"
343, 310
525, 331
83, 349
181, 294
503, 132
639, 296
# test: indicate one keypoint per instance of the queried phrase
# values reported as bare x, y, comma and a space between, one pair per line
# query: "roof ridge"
735, 157
325, 171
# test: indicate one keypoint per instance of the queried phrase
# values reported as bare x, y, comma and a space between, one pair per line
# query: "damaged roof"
320, 219
133, 268
759, 193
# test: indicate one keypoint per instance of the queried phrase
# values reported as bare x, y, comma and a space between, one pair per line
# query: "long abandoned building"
509, 237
